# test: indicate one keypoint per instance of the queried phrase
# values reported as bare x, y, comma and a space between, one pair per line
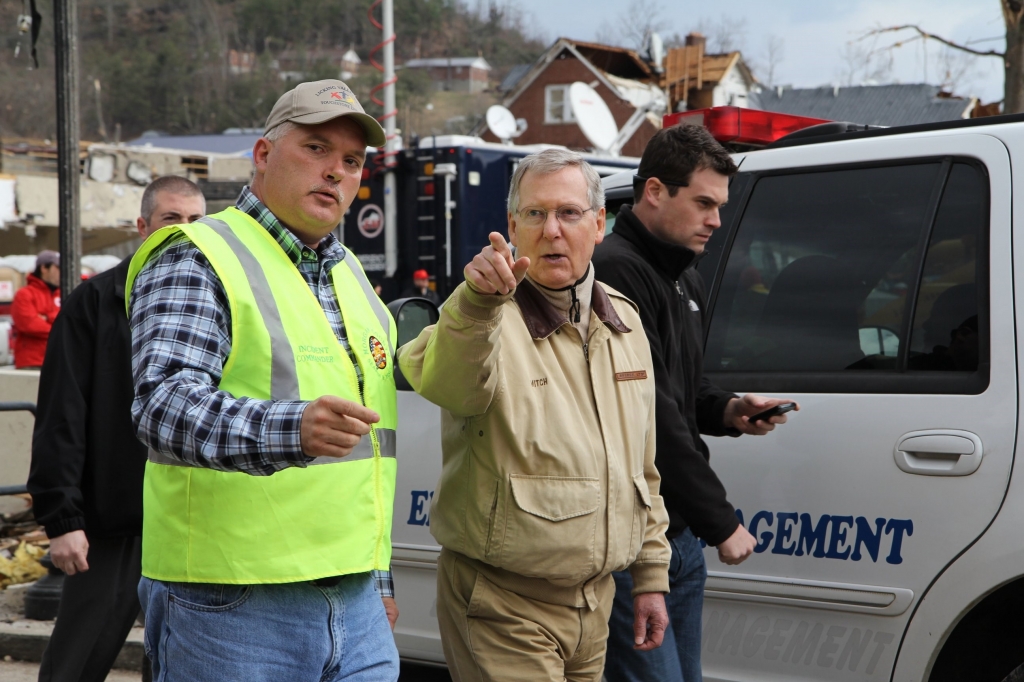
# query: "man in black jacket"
87, 464
682, 182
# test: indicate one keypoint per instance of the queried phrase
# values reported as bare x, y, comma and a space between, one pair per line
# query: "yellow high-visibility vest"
330, 518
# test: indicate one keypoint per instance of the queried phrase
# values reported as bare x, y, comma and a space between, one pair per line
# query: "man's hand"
391, 608
332, 426
739, 411
737, 548
650, 619
68, 552
493, 270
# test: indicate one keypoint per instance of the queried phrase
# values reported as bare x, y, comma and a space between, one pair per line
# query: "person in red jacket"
34, 309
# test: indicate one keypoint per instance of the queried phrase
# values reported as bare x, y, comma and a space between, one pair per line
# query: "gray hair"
279, 131
551, 161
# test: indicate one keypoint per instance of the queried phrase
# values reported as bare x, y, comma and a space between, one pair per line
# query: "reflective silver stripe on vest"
284, 377
375, 302
364, 450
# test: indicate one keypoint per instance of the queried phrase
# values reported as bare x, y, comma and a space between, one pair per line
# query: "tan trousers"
492, 635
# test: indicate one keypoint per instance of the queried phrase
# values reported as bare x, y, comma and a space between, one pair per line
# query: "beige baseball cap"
320, 101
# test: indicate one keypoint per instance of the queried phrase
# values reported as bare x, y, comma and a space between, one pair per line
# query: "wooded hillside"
163, 65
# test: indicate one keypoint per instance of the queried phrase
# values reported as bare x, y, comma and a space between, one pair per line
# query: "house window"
556, 105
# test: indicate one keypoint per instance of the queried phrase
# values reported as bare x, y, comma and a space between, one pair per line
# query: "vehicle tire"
1017, 675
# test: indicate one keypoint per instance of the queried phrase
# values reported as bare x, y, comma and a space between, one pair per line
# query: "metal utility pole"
65, 28
390, 111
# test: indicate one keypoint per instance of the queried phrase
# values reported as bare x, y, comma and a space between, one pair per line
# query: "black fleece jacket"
87, 464
661, 279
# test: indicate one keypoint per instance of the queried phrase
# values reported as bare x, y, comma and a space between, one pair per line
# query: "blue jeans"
678, 658
296, 632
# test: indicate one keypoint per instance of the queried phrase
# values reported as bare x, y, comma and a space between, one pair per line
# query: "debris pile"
22, 544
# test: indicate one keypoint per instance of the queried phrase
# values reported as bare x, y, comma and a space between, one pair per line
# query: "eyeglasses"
534, 216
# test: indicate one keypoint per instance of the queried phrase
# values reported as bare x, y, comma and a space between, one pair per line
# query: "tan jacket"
548, 444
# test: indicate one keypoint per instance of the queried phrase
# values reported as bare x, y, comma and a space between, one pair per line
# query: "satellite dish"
655, 51
593, 116
502, 123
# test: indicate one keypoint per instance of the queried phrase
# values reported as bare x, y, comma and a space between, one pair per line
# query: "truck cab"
868, 274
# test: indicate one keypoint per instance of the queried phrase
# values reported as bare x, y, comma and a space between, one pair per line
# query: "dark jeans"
96, 613
678, 658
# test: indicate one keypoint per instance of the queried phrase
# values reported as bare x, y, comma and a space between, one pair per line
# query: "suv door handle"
939, 453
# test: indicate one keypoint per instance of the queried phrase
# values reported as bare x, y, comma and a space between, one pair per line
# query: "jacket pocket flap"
640, 483
556, 498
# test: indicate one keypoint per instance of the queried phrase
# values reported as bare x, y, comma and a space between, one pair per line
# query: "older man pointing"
548, 484
260, 350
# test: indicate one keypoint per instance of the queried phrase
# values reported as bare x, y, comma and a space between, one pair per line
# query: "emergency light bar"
742, 126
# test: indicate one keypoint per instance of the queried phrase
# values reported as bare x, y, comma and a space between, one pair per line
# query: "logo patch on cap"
380, 356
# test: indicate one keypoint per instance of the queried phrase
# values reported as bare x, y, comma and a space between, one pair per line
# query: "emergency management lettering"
829, 536
796, 642
314, 354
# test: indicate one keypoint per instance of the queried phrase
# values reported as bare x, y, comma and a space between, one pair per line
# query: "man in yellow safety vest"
260, 351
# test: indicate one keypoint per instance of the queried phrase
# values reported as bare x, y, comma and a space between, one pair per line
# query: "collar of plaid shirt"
329, 249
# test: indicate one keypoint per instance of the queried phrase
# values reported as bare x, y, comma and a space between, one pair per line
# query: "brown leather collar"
542, 318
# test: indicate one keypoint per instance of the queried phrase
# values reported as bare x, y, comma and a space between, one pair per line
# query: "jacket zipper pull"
586, 351
679, 290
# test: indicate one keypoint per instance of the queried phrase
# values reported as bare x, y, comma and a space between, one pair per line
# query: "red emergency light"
742, 126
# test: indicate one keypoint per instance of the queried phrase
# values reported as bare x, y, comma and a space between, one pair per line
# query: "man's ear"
512, 230
602, 223
260, 151
652, 191
140, 225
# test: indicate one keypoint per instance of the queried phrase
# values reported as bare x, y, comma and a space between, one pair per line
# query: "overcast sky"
817, 35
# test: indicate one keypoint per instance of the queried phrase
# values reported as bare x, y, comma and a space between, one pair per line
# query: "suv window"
827, 267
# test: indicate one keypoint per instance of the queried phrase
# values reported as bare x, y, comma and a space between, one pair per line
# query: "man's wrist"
281, 434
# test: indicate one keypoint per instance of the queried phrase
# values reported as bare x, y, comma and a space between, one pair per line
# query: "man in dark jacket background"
87, 464
682, 182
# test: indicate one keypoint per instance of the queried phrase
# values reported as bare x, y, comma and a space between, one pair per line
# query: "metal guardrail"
16, 407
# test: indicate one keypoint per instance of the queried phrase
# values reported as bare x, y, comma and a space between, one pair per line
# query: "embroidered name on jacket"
631, 376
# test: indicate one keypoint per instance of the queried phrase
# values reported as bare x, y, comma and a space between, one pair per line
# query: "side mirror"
412, 315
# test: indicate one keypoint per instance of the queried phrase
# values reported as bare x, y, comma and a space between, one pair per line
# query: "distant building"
241, 63
455, 74
885, 105
539, 93
696, 80
350, 62
293, 65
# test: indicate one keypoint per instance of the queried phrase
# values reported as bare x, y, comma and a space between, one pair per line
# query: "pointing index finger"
500, 245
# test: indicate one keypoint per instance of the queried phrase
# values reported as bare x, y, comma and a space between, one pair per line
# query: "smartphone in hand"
773, 412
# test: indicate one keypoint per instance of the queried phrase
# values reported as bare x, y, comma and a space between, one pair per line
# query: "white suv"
869, 275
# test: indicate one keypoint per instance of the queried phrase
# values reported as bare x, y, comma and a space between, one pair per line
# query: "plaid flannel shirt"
181, 338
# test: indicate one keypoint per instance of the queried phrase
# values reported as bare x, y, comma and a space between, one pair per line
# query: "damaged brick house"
626, 80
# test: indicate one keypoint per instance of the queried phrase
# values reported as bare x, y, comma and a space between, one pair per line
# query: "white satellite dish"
593, 116
502, 123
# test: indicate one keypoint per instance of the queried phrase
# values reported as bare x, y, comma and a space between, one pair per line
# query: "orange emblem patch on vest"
631, 376
380, 356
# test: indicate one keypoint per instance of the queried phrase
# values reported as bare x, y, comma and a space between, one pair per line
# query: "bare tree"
727, 34
770, 58
955, 68
1012, 56
632, 27
863, 66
